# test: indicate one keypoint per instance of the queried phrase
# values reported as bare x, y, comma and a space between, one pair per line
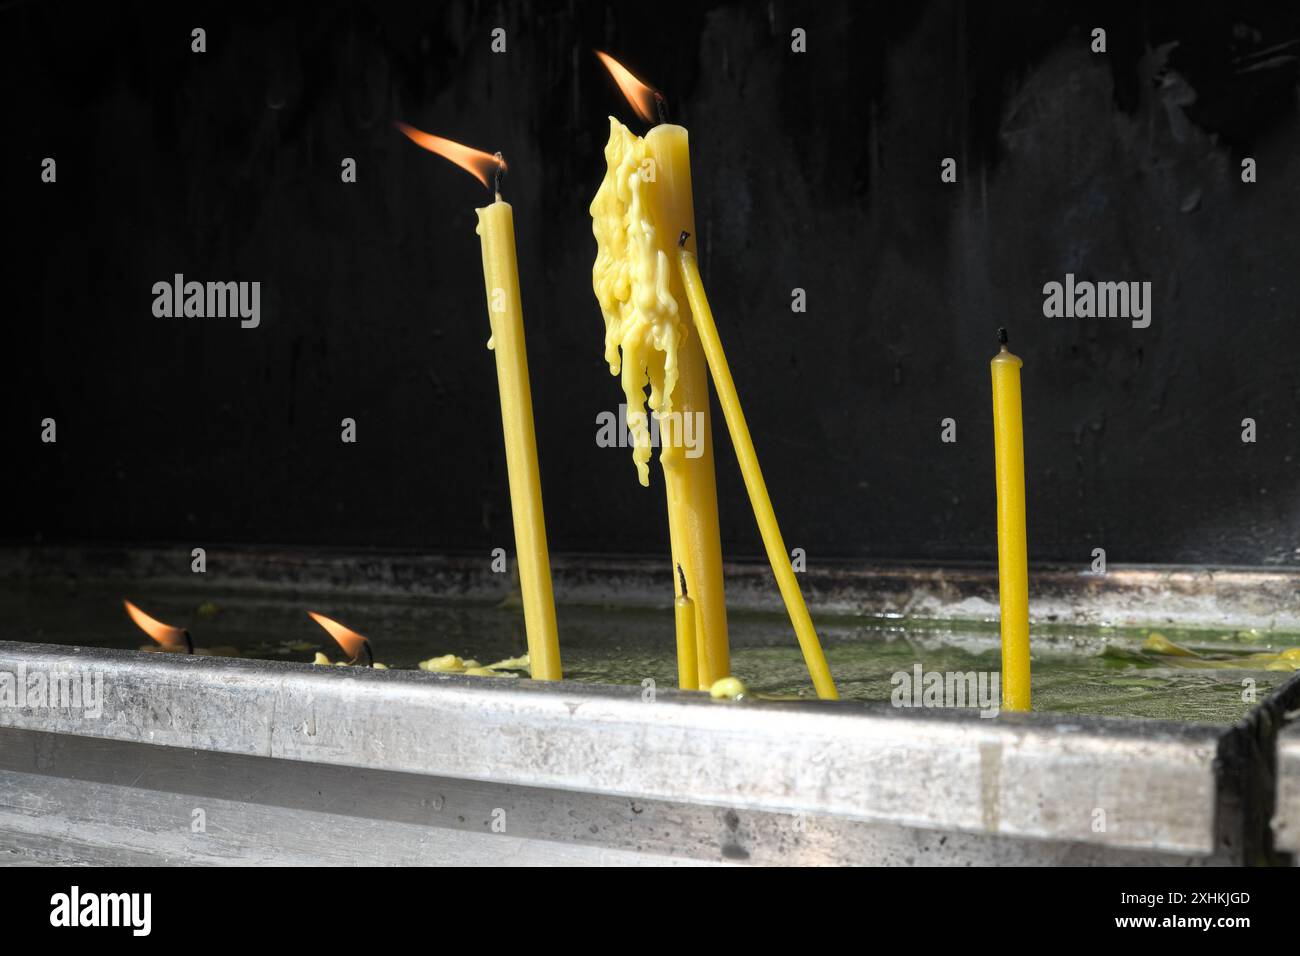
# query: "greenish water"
1076, 669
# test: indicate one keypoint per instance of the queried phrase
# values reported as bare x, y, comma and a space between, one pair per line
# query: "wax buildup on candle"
631, 277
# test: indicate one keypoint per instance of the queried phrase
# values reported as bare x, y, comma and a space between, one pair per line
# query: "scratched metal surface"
585, 774
1021, 778
1286, 820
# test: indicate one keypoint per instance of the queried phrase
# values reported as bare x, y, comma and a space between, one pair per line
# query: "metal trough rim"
1036, 776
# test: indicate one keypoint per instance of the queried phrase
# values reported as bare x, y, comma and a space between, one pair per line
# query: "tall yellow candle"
649, 341
746, 455
689, 479
1013, 567
496, 228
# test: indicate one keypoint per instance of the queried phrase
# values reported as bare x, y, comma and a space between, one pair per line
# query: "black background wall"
817, 170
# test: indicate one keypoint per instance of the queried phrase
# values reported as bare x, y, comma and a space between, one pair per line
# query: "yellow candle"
496, 227
688, 675
759, 499
649, 340
690, 482
1013, 567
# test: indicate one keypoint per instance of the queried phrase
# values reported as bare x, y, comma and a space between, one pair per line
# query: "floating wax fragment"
484, 672
728, 688
447, 664
322, 659
1159, 644
1290, 654
512, 664
1283, 665
471, 664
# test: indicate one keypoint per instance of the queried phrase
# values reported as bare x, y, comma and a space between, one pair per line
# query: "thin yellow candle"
496, 230
688, 675
759, 499
1013, 562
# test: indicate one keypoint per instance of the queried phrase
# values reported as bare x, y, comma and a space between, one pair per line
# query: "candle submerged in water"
1013, 566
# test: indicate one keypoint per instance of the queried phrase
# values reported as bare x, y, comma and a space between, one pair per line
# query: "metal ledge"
1123, 785
1286, 816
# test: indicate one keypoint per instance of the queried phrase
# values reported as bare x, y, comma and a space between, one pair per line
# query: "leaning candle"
636, 215
1013, 567
496, 229
759, 499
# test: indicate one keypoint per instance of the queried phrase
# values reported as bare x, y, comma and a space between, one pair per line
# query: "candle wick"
661, 107
681, 240
501, 171
1002, 337
682, 577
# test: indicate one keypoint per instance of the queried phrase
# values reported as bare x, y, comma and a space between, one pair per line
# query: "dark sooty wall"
818, 170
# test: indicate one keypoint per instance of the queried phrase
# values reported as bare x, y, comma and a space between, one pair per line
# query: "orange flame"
477, 163
641, 96
353, 644
164, 634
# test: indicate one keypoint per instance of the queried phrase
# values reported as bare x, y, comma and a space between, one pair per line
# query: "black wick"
661, 107
681, 241
501, 171
189, 642
1002, 336
370, 655
682, 577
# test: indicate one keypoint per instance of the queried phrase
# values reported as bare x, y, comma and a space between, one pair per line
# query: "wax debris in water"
326, 662
451, 664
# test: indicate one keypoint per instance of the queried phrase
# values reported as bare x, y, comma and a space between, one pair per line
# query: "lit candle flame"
477, 163
353, 644
164, 634
641, 96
